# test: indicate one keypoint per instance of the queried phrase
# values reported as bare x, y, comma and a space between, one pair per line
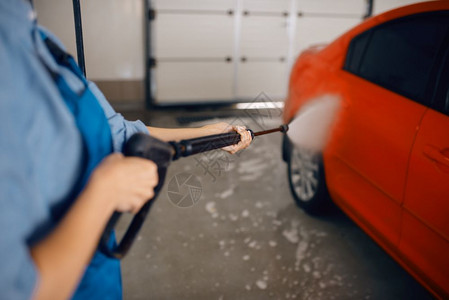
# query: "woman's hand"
125, 182
222, 127
177, 134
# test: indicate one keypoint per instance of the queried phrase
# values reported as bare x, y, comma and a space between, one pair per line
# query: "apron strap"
63, 58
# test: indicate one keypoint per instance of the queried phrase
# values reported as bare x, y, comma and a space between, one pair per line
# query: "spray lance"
162, 153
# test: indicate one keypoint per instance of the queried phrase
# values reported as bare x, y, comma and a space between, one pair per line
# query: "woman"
62, 174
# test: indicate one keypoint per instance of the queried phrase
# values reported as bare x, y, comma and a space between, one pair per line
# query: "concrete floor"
246, 239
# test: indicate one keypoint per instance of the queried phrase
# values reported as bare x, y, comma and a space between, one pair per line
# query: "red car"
386, 163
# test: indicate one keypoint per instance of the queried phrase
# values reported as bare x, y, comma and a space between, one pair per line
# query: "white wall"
57, 15
113, 35
381, 6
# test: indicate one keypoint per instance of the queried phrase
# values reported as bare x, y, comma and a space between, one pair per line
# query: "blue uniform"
42, 148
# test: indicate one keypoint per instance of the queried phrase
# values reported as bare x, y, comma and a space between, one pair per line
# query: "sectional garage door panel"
193, 36
232, 50
263, 49
381, 6
193, 5
320, 30
258, 77
263, 36
193, 82
346, 7
275, 6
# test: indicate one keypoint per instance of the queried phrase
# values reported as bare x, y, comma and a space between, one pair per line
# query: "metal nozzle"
284, 128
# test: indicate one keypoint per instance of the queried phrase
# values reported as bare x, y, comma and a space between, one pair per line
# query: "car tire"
307, 181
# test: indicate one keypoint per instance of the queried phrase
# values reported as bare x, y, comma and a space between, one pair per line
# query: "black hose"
79, 35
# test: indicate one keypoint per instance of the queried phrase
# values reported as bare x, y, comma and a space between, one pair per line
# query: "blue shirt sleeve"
18, 273
121, 128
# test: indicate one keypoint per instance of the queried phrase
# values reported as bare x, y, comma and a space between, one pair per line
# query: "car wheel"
307, 181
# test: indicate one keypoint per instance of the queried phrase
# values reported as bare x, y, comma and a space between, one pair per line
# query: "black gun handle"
119, 251
145, 146
210, 142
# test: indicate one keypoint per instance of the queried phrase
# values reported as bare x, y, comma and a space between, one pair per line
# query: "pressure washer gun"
162, 153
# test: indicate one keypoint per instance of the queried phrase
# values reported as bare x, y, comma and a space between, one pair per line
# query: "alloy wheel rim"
304, 170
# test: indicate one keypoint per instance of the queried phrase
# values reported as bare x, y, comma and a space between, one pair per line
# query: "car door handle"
436, 155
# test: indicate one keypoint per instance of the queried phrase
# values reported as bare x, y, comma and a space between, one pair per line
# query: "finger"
131, 205
153, 181
239, 128
247, 139
147, 169
242, 131
242, 144
250, 138
136, 209
143, 176
249, 135
144, 194
243, 135
245, 142
231, 149
237, 147
147, 183
149, 194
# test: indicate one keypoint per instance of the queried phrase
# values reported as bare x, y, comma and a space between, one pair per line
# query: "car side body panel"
366, 167
373, 177
426, 208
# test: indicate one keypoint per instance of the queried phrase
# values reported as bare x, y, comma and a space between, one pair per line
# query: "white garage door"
232, 50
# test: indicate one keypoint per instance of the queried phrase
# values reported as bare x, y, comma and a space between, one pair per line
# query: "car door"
425, 233
387, 71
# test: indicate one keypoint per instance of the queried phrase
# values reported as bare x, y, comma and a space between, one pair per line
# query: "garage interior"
245, 238
188, 64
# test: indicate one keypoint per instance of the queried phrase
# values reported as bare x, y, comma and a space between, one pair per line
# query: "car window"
446, 103
399, 55
356, 50
442, 93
